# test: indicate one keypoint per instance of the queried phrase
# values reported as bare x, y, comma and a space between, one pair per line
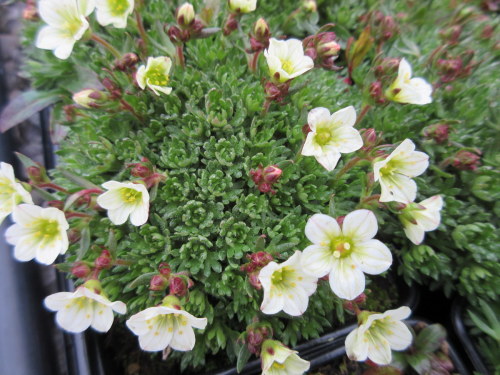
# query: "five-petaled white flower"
11, 192
345, 253
286, 59
66, 24
155, 75
123, 199
38, 233
166, 325
396, 171
277, 359
286, 287
377, 334
331, 135
86, 307
114, 12
242, 6
418, 218
409, 90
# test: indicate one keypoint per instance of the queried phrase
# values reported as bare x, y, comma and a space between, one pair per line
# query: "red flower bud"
178, 286
272, 174
103, 261
80, 270
158, 283
253, 279
466, 160
438, 132
127, 61
164, 269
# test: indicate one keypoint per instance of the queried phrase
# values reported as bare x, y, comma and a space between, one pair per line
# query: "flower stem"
51, 185
363, 113
129, 108
106, 45
253, 62
142, 31
355, 160
180, 54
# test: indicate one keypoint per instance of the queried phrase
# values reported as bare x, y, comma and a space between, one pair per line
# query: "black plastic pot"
457, 317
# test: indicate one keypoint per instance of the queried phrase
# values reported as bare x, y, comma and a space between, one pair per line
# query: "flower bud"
164, 269
89, 98
376, 92
387, 68
253, 279
230, 25
260, 258
261, 29
158, 283
264, 178
103, 261
369, 138
438, 132
37, 174
451, 34
178, 286
80, 270
127, 61
326, 44
340, 220
30, 12
272, 174
175, 34
185, 15
310, 6
466, 160
256, 335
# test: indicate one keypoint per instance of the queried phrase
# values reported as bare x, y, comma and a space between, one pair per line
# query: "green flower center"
287, 66
341, 247
323, 136
156, 76
130, 195
282, 278
6, 188
118, 7
46, 230
278, 366
389, 169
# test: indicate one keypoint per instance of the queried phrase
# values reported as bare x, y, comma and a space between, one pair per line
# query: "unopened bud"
253, 279
272, 174
231, 24
178, 286
438, 132
369, 138
185, 15
80, 270
340, 220
388, 67
451, 34
30, 12
89, 98
164, 269
158, 283
103, 261
127, 61
309, 6
376, 92
466, 160
261, 29
260, 258
256, 335
37, 174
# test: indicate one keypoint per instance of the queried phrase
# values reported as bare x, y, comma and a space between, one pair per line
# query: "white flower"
277, 359
395, 173
409, 90
114, 12
155, 75
38, 233
286, 59
377, 335
345, 253
422, 217
286, 287
242, 6
11, 192
87, 306
66, 24
331, 135
123, 199
166, 325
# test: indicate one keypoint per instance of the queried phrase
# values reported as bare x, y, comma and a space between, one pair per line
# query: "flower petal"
372, 256
57, 301
103, 318
414, 233
321, 228
360, 225
399, 336
183, 338
346, 139
139, 215
356, 348
399, 188
317, 260
328, 159
317, 116
346, 279
295, 301
379, 350
344, 117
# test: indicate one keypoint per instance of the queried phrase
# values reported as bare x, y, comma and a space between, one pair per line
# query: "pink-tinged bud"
387, 68
272, 174
127, 61
185, 15
30, 12
69, 112
260, 258
164, 269
231, 24
340, 220
178, 286
108, 84
158, 283
74, 235
261, 30
265, 187
326, 44
256, 335
369, 138
376, 92
37, 174
466, 160
361, 299
103, 261
253, 279
451, 34
438, 132
487, 32
80, 270
175, 34
306, 129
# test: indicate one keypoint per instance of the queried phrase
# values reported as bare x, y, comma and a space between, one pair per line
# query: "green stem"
142, 31
106, 45
355, 160
363, 113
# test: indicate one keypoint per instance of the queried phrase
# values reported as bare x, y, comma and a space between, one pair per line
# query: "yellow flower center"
118, 7
287, 66
6, 188
282, 278
46, 230
390, 168
341, 247
323, 136
278, 366
157, 76
130, 195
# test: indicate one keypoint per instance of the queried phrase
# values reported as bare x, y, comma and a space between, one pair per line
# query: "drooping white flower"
377, 335
38, 233
114, 12
277, 359
286, 287
242, 6
345, 253
397, 170
155, 75
66, 24
422, 217
124, 199
331, 135
409, 90
286, 59
84, 308
166, 325
11, 192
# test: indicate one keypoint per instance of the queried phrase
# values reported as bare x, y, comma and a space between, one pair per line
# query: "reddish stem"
180, 54
363, 113
253, 62
50, 185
